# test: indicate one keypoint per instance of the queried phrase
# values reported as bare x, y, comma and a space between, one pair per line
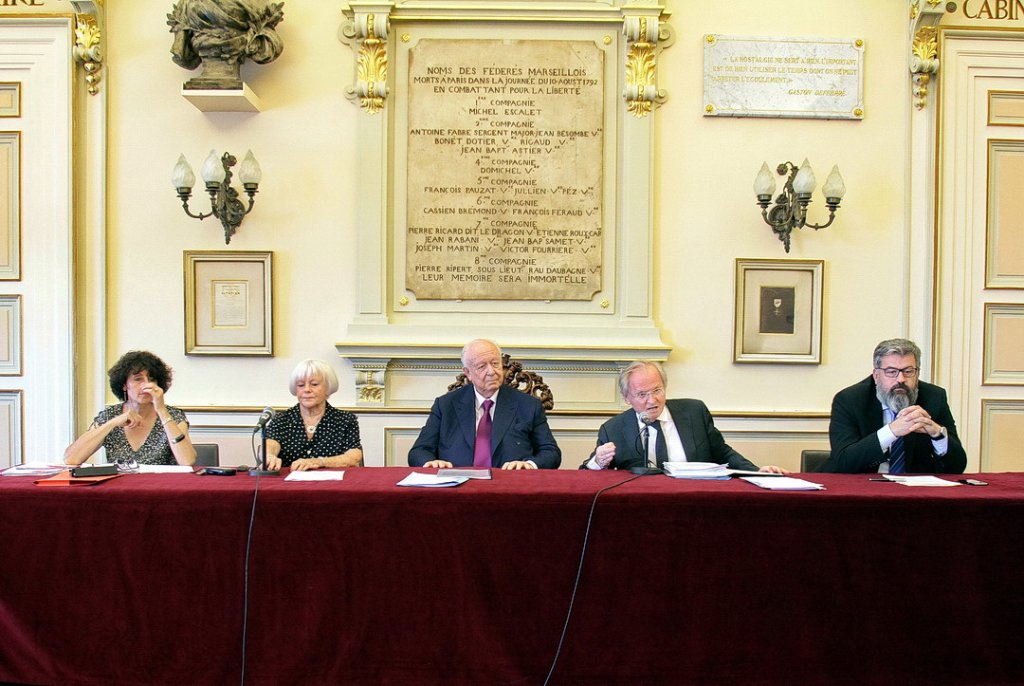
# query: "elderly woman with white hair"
312, 434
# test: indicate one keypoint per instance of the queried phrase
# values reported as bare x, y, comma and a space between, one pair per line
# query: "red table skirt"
146, 580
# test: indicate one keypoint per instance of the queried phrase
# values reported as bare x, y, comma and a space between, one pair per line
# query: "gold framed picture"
228, 302
778, 311
10, 335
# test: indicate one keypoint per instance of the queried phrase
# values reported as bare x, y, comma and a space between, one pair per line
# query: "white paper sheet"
316, 475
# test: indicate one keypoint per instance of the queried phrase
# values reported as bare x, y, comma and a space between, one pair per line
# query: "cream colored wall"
704, 208
303, 209
708, 217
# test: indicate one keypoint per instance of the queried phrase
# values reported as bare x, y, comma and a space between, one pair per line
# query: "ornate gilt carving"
923, 63
88, 50
370, 381
526, 381
925, 16
371, 30
641, 90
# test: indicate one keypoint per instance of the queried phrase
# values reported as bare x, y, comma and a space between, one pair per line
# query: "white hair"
313, 369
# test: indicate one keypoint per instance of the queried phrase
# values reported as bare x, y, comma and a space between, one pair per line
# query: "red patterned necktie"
482, 449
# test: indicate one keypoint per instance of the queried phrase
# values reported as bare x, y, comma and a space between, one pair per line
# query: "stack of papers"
468, 473
432, 480
35, 469
927, 480
696, 470
316, 475
783, 483
165, 469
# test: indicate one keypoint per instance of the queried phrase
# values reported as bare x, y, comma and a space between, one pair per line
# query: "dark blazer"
701, 440
520, 431
857, 416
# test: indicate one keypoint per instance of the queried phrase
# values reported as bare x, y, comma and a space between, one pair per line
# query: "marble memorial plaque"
749, 76
505, 165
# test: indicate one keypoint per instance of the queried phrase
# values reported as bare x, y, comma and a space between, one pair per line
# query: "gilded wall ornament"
641, 90
370, 30
88, 50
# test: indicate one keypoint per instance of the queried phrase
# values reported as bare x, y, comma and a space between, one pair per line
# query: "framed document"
10, 205
778, 311
10, 335
228, 303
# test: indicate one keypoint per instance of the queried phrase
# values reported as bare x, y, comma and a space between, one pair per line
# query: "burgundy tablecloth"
143, 580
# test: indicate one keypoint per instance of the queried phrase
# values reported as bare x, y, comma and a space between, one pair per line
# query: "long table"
145, 579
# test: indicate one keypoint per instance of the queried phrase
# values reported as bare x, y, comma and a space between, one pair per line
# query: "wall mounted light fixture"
224, 202
790, 209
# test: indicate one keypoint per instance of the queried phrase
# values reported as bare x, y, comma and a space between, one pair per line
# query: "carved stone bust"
221, 35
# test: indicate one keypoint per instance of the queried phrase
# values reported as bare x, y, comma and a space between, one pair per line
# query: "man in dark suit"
892, 422
484, 424
680, 430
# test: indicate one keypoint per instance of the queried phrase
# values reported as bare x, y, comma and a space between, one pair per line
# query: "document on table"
165, 468
927, 480
468, 473
695, 470
316, 475
783, 483
431, 480
35, 469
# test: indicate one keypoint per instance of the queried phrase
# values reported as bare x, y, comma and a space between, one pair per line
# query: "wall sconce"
790, 209
224, 202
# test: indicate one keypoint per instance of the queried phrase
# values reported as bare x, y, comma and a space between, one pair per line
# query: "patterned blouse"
154, 450
336, 433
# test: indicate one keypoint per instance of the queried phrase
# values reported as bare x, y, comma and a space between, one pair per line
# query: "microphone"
265, 417
645, 469
261, 461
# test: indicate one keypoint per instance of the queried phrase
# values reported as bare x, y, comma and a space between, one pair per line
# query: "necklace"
311, 428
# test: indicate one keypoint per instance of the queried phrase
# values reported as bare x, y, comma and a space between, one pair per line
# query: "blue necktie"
897, 463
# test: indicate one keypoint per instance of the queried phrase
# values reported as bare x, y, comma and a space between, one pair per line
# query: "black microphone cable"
245, 566
579, 573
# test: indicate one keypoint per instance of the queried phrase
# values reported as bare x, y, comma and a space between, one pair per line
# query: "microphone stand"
262, 470
646, 469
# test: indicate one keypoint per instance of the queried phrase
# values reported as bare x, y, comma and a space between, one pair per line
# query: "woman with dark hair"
142, 428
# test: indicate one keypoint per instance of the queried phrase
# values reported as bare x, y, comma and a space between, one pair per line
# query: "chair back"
811, 460
207, 454
518, 378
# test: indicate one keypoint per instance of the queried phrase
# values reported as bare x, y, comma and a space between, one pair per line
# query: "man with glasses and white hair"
893, 422
678, 430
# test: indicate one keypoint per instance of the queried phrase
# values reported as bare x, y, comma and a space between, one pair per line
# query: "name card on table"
750, 76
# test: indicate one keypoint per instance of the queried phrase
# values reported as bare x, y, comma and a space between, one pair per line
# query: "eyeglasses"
892, 372
653, 393
127, 465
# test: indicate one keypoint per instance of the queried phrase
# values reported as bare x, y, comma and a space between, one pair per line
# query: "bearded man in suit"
892, 421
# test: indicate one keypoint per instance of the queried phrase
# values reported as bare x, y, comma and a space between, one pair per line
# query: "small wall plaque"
750, 76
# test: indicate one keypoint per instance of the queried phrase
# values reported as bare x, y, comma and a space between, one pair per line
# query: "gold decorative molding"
369, 28
924, 62
925, 16
88, 50
370, 381
641, 92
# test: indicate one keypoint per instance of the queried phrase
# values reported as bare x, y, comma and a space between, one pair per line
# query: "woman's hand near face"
156, 395
129, 419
